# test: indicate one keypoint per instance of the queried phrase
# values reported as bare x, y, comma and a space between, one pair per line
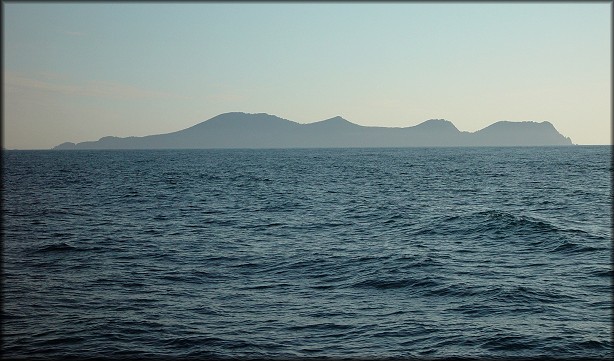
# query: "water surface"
417, 252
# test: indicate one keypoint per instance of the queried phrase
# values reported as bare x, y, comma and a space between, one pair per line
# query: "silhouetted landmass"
242, 130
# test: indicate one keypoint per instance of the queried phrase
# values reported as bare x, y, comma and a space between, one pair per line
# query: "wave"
384, 283
500, 222
500, 225
573, 247
56, 247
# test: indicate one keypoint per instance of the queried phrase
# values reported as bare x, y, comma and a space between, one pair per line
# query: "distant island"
244, 130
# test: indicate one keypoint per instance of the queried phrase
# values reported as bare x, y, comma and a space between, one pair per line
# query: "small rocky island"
244, 130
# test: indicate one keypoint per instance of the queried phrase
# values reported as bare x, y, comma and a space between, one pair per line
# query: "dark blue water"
479, 252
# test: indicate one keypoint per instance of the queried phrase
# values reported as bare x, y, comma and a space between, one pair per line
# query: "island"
261, 130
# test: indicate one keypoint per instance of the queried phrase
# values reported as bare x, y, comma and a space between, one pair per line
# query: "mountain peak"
436, 124
502, 124
337, 118
334, 121
528, 132
246, 116
238, 119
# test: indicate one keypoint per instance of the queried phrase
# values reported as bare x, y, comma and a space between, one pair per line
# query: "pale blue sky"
77, 72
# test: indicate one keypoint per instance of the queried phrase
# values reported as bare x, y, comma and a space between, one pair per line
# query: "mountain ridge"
262, 130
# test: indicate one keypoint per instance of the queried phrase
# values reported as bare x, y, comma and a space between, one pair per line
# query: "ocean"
308, 253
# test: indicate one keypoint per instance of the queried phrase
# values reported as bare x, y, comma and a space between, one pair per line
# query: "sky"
77, 71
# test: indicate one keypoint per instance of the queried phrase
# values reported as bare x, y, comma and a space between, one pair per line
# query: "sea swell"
394, 253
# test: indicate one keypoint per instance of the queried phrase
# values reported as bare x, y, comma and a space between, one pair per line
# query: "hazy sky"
77, 72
